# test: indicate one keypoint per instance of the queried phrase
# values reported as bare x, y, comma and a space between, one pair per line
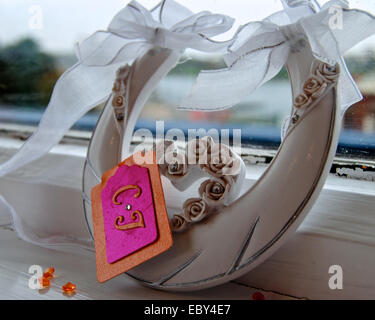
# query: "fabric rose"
302, 100
176, 164
214, 191
118, 104
221, 161
328, 72
195, 209
119, 92
178, 223
172, 162
118, 101
314, 87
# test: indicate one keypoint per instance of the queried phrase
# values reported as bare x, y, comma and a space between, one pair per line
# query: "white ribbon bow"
262, 48
132, 32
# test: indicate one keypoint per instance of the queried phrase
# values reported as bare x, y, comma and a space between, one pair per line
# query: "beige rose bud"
314, 87
221, 161
328, 72
118, 101
176, 164
302, 100
172, 162
178, 223
195, 209
214, 191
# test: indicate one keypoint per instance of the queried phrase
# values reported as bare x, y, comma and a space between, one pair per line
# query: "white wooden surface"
16, 256
339, 230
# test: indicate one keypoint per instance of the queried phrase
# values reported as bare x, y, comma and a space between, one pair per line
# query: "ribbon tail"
347, 88
221, 89
78, 90
357, 25
26, 233
327, 49
332, 33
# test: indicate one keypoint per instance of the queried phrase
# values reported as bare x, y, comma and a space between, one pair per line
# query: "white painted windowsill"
339, 230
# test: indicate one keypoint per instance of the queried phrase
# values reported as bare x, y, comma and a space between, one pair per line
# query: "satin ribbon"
131, 33
262, 48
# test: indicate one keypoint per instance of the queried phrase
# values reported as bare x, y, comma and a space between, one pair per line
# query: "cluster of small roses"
314, 87
212, 194
120, 92
214, 160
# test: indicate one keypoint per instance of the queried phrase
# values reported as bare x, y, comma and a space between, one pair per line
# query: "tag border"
105, 270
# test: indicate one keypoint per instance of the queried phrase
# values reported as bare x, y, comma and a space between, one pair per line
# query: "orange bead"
50, 270
69, 287
44, 282
48, 273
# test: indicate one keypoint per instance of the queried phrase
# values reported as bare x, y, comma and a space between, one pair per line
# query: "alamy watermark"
199, 146
336, 20
336, 280
36, 272
35, 17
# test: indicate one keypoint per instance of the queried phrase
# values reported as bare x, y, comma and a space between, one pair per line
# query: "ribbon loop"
277, 36
136, 26
131, 33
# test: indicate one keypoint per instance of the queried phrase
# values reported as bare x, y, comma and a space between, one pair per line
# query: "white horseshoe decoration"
249, 230
246, 230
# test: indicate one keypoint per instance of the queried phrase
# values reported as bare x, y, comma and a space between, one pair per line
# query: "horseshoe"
249, 230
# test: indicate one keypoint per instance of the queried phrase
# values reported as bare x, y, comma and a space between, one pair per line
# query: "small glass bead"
44, 282
258, 296
48, 273
128, 207
50, 270
69, 287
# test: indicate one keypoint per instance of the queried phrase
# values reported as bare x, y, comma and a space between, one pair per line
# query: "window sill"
339, 230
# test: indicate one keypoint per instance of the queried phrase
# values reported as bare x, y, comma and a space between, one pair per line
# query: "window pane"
36, 47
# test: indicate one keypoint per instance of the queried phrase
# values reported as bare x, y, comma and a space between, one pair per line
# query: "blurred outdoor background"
36, 47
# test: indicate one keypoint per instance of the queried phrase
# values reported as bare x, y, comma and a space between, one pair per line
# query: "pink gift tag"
128, 212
